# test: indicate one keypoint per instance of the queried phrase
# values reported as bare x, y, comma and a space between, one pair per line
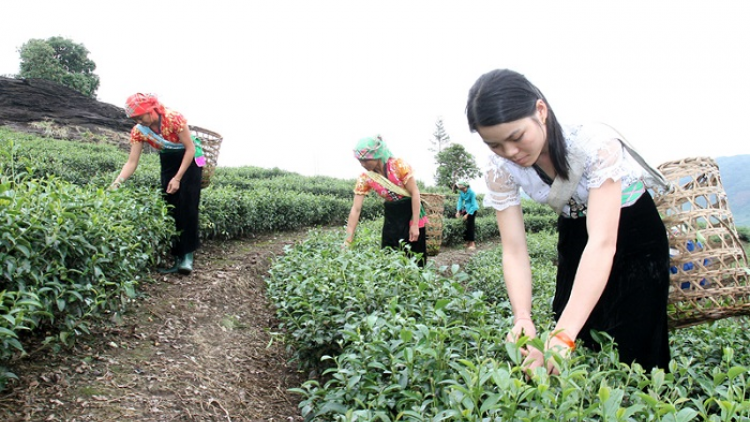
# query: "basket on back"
708, 277
211, 144
434, 207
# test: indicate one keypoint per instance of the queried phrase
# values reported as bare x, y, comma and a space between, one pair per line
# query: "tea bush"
289, 182
75, 162
228, 212
237, 176
70, 254
397, 343
332, 286
486, 270
240, 201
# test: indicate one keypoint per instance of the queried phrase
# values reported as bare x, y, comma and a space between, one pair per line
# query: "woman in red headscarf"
168, 132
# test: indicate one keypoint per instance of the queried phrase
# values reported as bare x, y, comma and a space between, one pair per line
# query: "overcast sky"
295, 84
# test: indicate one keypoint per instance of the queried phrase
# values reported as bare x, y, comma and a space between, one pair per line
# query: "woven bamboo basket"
708, 274
434, 205
211, 144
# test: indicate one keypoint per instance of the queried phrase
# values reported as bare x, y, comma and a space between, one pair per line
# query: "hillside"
53, 110
736, 180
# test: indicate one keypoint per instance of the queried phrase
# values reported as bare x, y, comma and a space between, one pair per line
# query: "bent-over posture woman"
613, 252
167, 131
393, 180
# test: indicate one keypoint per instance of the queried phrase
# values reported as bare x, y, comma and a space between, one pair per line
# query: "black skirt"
185, 202
633, 306
396, 229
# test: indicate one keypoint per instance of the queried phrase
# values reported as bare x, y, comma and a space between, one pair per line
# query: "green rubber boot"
186, 264
173, 269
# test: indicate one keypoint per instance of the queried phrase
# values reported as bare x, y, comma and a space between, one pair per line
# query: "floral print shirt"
399, 172
171, 124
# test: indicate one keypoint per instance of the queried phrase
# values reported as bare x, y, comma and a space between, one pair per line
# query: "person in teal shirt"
467, 209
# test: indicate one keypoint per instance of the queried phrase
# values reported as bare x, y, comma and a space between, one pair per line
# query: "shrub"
398, 343
69, 254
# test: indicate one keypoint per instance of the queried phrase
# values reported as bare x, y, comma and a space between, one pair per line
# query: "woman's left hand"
173, 186
413, 232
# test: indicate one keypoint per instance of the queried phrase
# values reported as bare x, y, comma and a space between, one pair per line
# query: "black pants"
184, 203
633, 305
469, 229
396, 229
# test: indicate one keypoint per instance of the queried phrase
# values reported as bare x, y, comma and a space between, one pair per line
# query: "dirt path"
195, 348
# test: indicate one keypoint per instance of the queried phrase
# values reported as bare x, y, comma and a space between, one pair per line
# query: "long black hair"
503, 96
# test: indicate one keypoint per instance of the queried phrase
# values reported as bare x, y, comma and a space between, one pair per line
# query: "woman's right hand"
532, 356
116, 184
347, 241
173, 186
458, 215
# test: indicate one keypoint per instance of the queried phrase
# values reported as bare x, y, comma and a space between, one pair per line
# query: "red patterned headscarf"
138, 104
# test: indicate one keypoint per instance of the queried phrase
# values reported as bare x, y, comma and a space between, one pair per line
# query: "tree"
60, 60
454, 164
440, 138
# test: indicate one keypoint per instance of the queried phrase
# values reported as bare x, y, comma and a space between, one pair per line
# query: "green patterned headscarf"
462, 184
372, 148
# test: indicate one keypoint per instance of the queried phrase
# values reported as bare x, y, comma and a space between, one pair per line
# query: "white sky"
294, 84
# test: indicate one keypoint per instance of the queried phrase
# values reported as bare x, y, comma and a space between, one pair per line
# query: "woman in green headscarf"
393, 179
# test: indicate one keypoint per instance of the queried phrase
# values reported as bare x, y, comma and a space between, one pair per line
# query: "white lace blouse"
605, 159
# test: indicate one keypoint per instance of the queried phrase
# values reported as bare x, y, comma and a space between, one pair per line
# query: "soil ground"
191, 348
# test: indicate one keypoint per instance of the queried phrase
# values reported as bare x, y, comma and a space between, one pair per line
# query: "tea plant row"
383, 340
72, 251
239, 201
70, 255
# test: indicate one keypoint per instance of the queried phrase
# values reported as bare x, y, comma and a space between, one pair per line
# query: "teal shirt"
468, 201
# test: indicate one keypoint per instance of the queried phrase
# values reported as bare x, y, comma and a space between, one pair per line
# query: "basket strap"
148, 133
736, 238
655, 175
397, 189
383, 181
562, 190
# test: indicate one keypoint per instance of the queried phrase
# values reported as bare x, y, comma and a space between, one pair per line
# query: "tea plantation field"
378, 338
